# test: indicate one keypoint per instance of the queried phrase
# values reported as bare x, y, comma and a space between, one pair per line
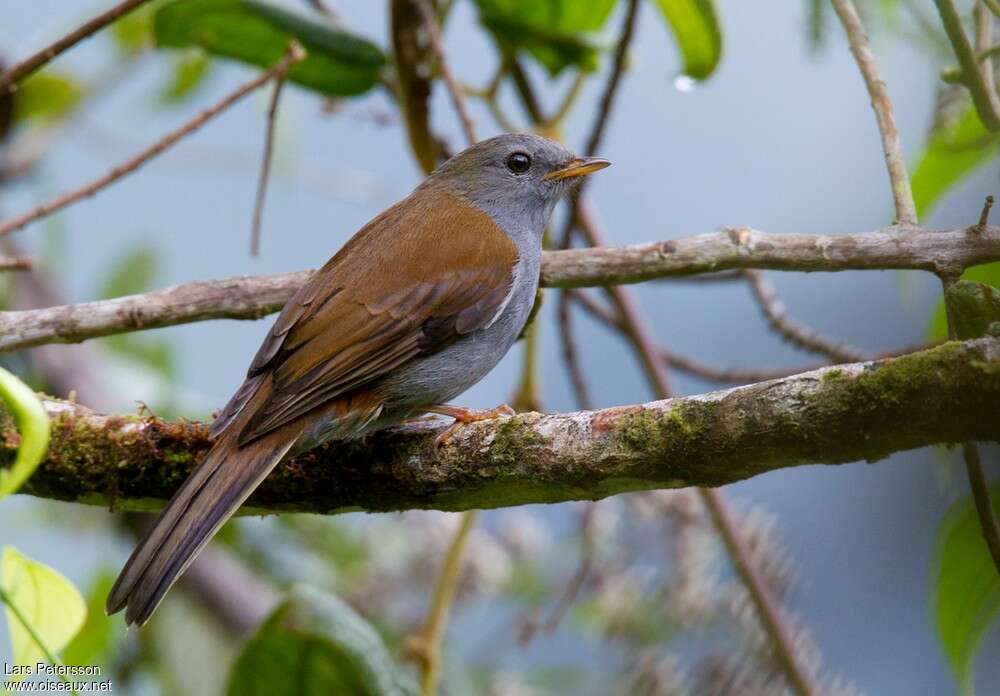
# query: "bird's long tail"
222, 482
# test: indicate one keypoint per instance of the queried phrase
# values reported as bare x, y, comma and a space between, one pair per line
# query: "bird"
419, 305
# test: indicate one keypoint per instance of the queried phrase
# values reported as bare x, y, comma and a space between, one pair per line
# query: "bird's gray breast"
444, 375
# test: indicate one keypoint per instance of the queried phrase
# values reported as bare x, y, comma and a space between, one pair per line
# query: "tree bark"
839, 414
947, 252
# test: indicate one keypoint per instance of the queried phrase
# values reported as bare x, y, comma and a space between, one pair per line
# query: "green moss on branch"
862, 411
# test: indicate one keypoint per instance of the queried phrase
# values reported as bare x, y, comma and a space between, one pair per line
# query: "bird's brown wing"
408, 284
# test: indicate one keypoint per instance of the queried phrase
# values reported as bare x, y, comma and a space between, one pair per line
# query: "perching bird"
417, 307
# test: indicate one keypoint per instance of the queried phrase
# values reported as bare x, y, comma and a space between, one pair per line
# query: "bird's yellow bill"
581, 166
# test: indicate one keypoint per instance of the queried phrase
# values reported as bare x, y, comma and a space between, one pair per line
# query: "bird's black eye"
519, 163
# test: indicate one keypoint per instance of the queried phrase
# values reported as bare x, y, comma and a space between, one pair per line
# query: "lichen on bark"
834, 415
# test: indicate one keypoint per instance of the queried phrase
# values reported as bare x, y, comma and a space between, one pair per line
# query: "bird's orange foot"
464, 416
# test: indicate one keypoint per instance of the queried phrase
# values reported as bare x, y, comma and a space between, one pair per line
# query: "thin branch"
257, 296
906, 210
597, 131
984, 216
294, 55
799, 677
993, 6
430, 21
983, 19
322, 7
16, 263
571, 358
981, 496
10, 78
638, 330
985, 100
711, 372
429, 645
796, 333
265, 165
845, 413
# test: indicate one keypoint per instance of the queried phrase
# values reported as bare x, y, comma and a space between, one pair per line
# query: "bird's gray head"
515, 177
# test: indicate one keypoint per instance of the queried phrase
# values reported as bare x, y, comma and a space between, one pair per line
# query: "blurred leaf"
321, 645
988, 273
816, 23
43, 598
33, 426
258, 33
966, 594
696, 29
97, 641
951, 155
187, 73
46, 96
133, 33
134, 272
558, 33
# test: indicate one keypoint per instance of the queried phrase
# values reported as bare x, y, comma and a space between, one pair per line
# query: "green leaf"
46, 96
133, 272
187, 73
950, 155
696, 29
133, 33
33, 426
258, 33
557, 33
97, 641
988, 273
322, 646
37, 595
966, 586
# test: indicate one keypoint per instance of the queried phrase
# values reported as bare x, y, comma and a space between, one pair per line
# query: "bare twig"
257, 296
837, 414
603, 114
985, 50
294, 55
429, 17
323, 7
570, 357
15, 263
265, 165
796, 333
711, 372
981, 496
906, 211
10, 78
428, 645
799, 677
985, 100
993, 6
656, 373
984, 216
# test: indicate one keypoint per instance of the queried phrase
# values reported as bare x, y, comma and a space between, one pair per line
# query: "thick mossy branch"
859, 411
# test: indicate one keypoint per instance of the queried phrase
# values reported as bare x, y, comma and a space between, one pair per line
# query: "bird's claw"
464, 416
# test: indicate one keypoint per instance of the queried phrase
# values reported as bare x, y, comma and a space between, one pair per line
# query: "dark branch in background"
798, 334
711, 372
429, 17
265, 165
636, 327
840, 414
17, 73
294, 55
